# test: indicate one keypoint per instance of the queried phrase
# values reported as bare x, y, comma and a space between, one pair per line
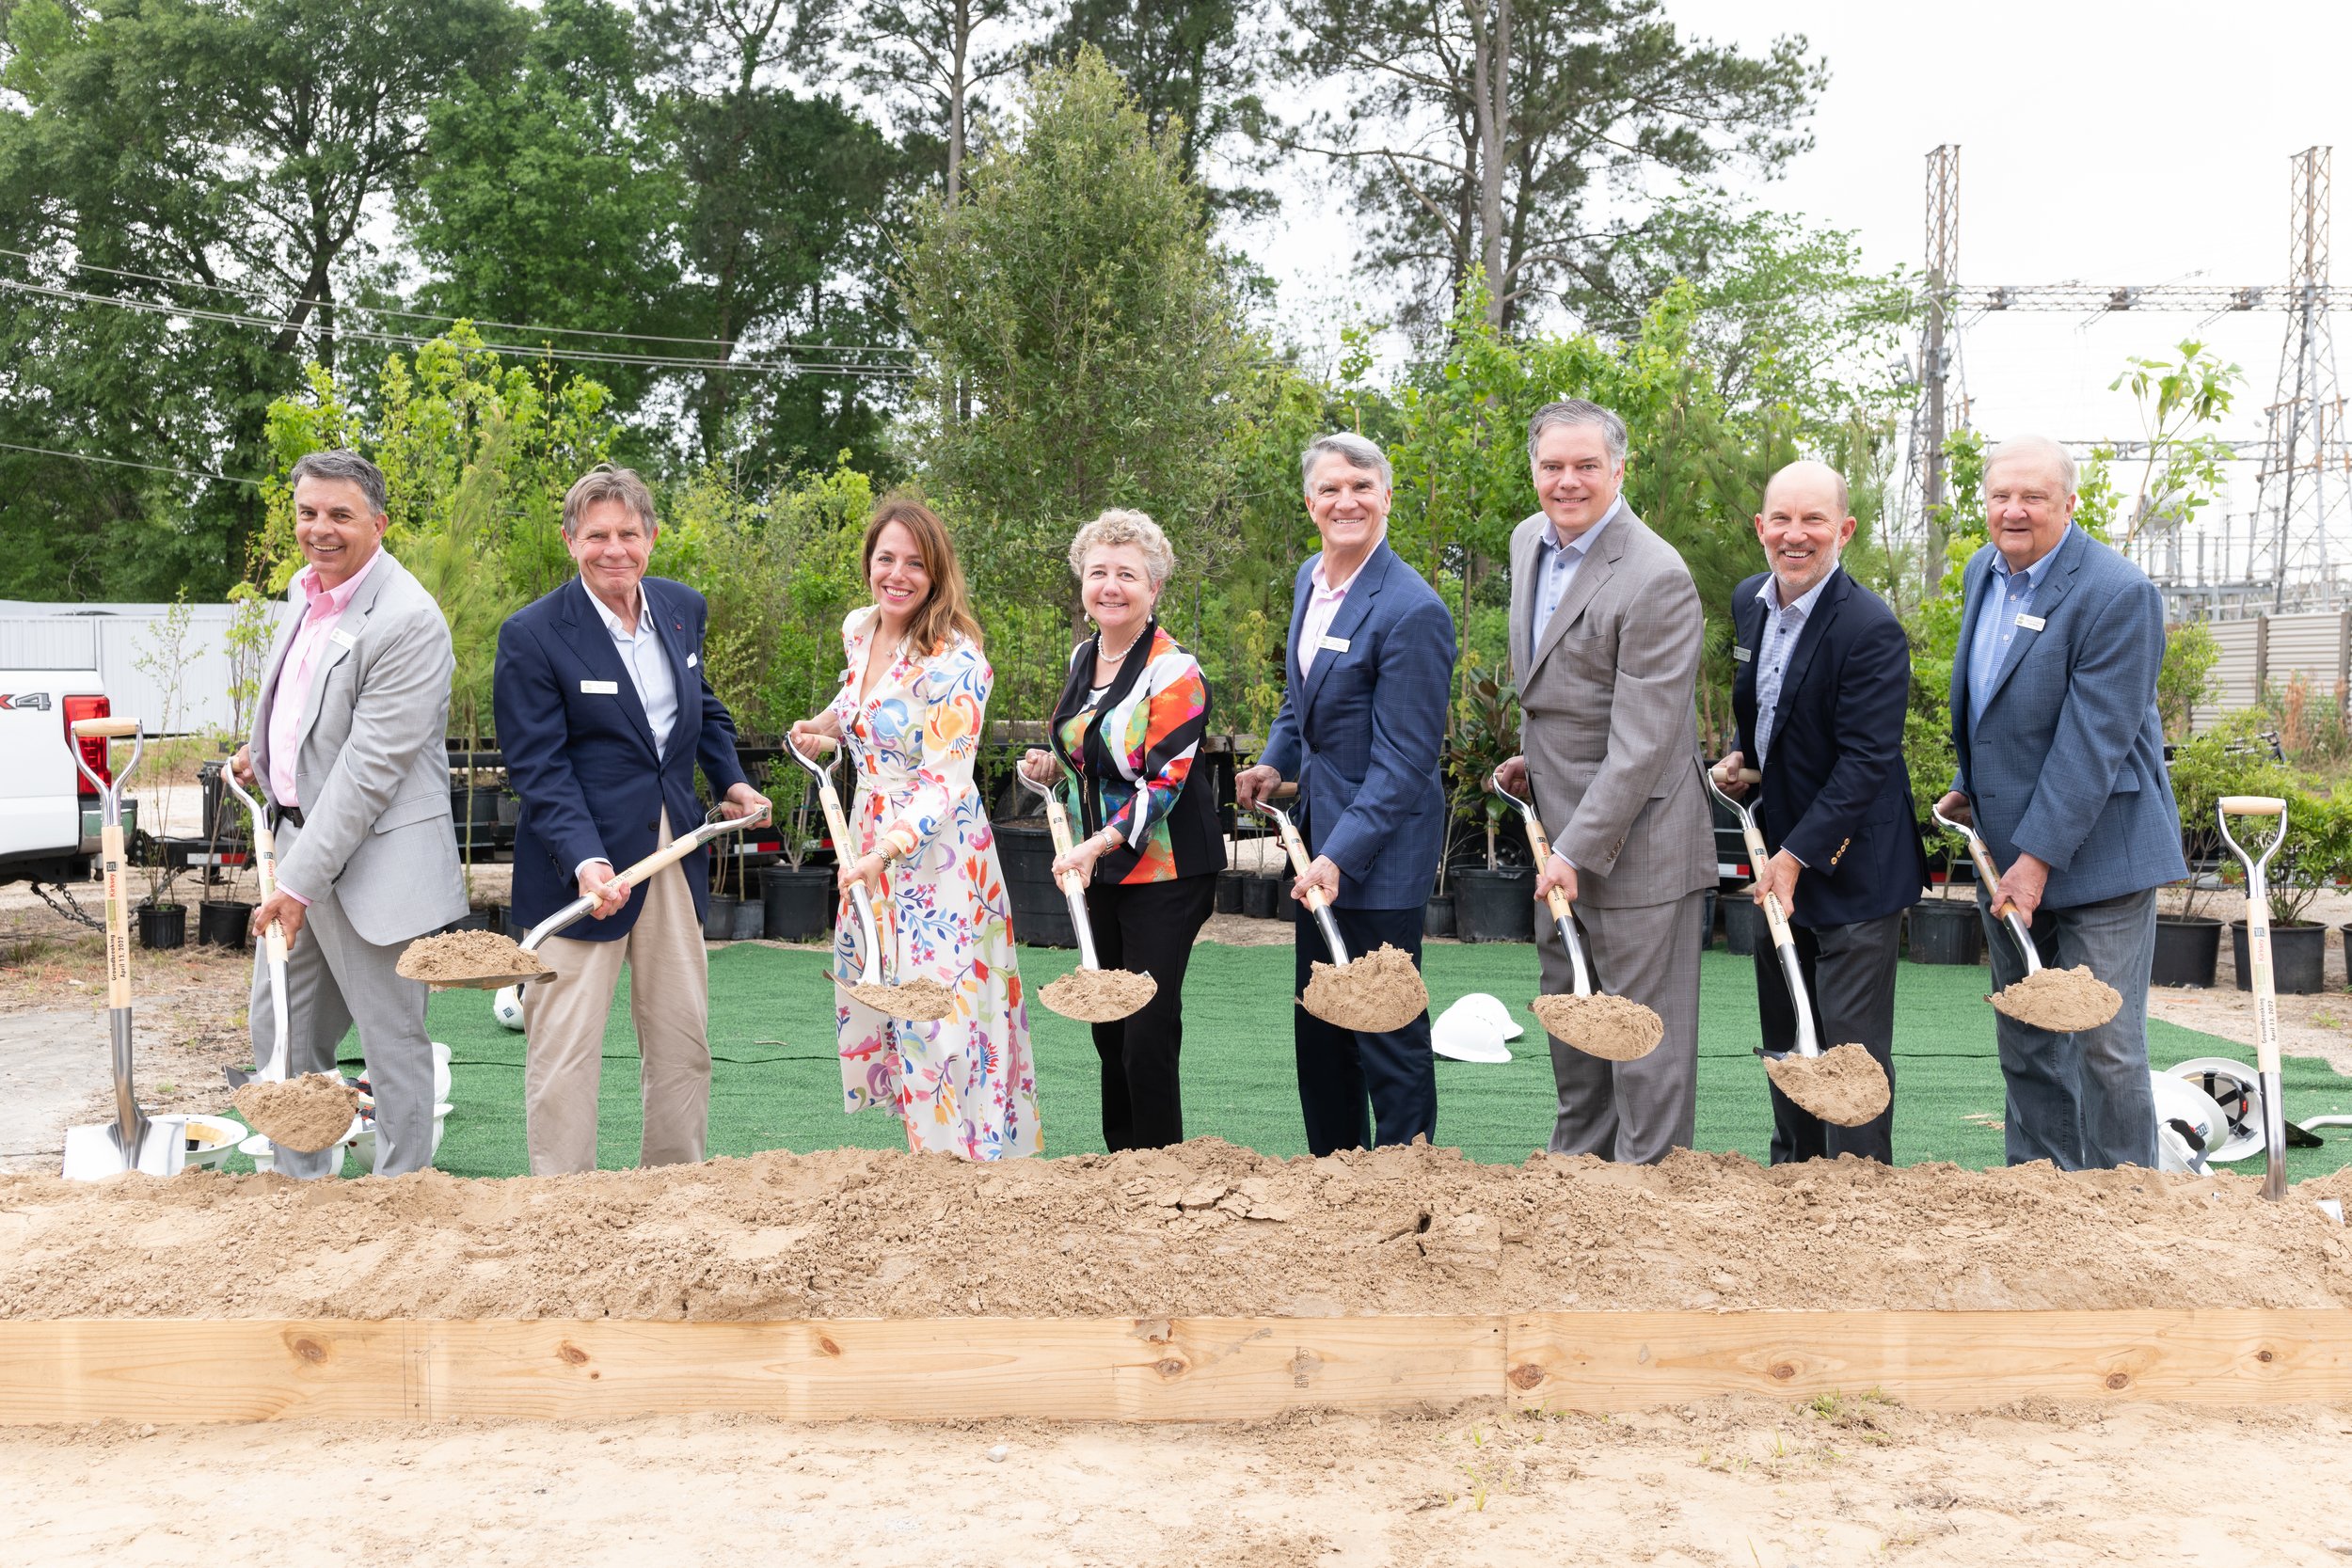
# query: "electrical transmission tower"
2304, 488
2305, 463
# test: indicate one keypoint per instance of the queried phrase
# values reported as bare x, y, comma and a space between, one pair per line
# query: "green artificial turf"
775, 1082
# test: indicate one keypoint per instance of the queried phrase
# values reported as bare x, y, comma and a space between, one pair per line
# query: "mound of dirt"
1098, 995
461, 957
1202, 1228
1609, 1027
1380, 991
1844, 1083
917, 1001
305, 1114
2060, 1000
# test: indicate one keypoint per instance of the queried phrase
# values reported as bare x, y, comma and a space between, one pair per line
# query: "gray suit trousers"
334, 978
1631, 1111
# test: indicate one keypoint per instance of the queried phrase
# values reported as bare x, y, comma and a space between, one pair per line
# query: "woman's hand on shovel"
1084, 854
1040, 766
817, 736
866, 868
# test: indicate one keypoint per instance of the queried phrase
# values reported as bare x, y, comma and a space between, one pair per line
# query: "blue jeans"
2081, 1100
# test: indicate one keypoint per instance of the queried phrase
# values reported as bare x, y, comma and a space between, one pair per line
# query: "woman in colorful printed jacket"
1126, 731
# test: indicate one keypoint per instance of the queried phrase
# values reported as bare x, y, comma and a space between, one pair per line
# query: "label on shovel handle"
117, 917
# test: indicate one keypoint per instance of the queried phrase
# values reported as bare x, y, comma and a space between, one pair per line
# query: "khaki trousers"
669, 1000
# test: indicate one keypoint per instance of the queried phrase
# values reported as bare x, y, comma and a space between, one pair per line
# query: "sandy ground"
1736, 1483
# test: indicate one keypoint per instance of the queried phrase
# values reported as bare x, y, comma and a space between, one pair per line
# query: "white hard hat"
1495, 1011
2233, 1087
1464, 1033
2189, 1126
507, 1007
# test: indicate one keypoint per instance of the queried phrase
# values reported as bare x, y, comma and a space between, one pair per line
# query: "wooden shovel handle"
111, 729
1542, 847
2252, 805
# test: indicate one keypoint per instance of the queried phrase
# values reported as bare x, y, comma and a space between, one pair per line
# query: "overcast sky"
2109, 142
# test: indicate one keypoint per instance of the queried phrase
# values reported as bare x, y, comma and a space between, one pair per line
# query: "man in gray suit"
2061, 767
347, 753
1605, 626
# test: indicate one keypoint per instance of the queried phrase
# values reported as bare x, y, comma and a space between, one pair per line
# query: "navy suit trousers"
1349, 1081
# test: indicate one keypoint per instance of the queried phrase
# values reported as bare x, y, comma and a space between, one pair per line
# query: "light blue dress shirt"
2008, 596
1555, 569
1782, 624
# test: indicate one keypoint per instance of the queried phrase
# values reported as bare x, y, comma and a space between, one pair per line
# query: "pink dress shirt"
292, 691
1323, 608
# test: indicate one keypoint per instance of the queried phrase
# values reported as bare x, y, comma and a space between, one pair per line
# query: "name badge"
1742, 655
2031, 623
342, 638
599, 688
1333, 644
691, 659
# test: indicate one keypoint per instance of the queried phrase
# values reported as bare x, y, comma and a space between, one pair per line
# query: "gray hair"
1358, 452
1573, 411
2036, 448
1118, 527
340, 463
608, 482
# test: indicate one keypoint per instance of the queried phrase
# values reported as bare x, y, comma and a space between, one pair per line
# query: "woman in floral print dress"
910, 710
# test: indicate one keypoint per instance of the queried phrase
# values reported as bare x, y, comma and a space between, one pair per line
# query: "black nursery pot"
799, 904
2189, 950
751, 919
225, 923
1437, 915
1260, 894
162, 926
2298, 957
1495, 906
1040, 912
719, 918
1229, 885
1743, 926
1945, 931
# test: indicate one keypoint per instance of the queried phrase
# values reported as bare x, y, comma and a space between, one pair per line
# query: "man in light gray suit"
347, 751
1605, 625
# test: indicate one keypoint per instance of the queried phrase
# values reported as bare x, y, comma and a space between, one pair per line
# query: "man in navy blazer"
1820, 682
603, 711
1371, 662
2062, 765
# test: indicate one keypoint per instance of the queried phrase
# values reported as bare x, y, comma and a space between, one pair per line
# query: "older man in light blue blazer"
2061, 764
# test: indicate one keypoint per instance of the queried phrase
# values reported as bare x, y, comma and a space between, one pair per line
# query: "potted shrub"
2310, 858
2232, 758
798, 898
163, 923
1496, 902
223, 922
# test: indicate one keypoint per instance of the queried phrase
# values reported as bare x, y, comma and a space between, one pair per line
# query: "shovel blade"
93, 1153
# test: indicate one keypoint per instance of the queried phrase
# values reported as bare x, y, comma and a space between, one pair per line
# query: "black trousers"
1148, 928
1341, 1070
1850, 972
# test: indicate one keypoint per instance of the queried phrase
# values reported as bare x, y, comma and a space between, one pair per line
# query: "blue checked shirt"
2009, 595
1782, 624
1555, 569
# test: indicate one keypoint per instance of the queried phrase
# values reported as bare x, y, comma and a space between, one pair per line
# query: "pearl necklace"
1108, 657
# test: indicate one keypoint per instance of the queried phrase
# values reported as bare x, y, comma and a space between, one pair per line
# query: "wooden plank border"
1147, 1370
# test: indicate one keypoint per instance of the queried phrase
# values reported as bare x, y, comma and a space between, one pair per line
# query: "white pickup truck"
48, 811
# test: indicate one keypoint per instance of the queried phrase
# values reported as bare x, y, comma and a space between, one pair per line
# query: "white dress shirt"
648, 665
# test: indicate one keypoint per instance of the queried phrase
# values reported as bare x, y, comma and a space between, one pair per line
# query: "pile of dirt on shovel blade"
2060, 1000
917, 1001
1609, 1027
1844, 1083
458, 956
1200, 1229
305, 1114
1098, 995
1377, 992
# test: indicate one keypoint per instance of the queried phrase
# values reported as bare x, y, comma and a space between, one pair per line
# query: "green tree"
1194, 69
1482, 132
1075, 297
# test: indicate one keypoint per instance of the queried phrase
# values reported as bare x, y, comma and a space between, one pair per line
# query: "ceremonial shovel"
130, 1140
870, 980
1803, 1076
1347, 997
273, 939
1611, 1028
2031, 999
2265, 996
1069, 995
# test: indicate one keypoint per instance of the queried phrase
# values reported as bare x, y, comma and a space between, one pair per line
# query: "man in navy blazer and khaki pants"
2061, 764
1821, 683
1363, 715
603, 711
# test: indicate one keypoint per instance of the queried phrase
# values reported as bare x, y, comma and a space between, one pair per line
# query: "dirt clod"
2060, 1000
1380, 991
305, 1114
1609, 1027
917, 1001
457, 957
1844, 1083
1098, 995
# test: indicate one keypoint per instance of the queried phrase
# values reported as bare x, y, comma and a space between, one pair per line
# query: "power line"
127, 463
523, 351
423, 315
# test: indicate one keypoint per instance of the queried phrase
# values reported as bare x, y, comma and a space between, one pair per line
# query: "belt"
286, 814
